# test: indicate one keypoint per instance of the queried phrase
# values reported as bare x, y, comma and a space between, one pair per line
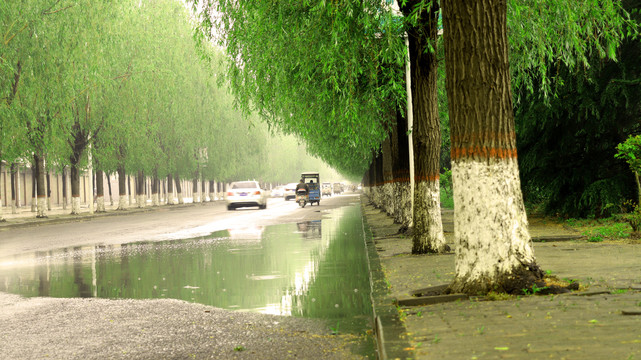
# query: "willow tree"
320, 76
422, 37
493, 246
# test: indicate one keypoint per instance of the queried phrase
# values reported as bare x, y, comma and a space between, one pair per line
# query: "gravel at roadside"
53, 328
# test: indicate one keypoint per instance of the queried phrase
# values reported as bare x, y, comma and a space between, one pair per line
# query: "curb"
391, 342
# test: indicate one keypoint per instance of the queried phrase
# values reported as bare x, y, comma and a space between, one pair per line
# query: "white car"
290, 191
278, 191
244, 194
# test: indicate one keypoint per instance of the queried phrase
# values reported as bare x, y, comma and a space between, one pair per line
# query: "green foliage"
546, 35
566, 143
447, 194
633, 218
331, 72
630, 151
125, 77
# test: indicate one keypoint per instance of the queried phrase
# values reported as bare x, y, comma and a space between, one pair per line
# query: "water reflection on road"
313, 269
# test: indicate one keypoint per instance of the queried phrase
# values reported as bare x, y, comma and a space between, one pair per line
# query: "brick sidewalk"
601, 322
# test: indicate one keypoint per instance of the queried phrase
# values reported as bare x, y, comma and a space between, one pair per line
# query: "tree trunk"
65, 195
48, 191
170, 190
179, 190
428, 227
100, 191
41, 192
34, 181
378, 169
14, 190
140, 189
195, 188
131, 194
212, 190
387, 192
401, 172
493, 246
203, 190
122, 189
155, 186
75, 189
111, 197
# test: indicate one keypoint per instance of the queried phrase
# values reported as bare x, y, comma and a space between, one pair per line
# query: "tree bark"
100, 191
387, 193
48, 191
140, 189
428, 228
34, 181
401, 172
131, 194
14, 190
203, 190
111, 197
41, 193
195, 188
179, 189
170, 190
122, 188
155, 186
65, 194
493, 246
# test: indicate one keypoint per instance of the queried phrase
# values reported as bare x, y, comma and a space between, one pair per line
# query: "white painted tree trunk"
403, 207
140, 201
100, 204
14, 209
180, 198
1, 216
490, 223
42, 207
170, 198
155, 200
34, 204
388, 198
428, 227
122, 202
75, 205
376, 196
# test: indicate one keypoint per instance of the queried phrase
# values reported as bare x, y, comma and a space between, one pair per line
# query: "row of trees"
125, 81
333, 74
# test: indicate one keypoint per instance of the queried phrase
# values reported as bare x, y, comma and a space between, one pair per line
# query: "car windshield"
244, 185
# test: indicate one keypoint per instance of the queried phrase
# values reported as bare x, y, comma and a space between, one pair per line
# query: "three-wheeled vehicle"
312, 179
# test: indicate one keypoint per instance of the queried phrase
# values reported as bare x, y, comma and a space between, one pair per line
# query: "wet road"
40, 327
166, 223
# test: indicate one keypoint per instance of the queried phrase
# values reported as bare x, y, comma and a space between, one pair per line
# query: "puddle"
315, 269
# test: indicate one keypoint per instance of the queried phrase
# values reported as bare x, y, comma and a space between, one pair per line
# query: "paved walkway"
601, 321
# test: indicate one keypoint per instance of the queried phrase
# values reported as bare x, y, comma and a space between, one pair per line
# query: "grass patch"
597, 230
